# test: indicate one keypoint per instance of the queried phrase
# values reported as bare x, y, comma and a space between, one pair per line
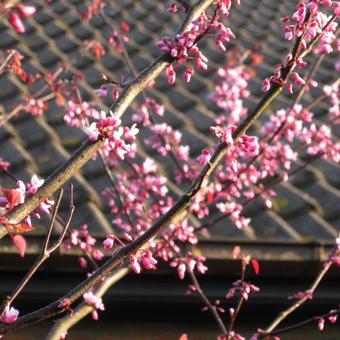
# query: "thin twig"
207, 302
109, 174
300, 324
46, 250
239, 303
6, 61
284, 314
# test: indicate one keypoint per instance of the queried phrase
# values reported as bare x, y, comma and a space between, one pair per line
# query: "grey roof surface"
307, 207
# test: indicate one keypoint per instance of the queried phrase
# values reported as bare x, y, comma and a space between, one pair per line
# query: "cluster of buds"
145, 111
95, 47
118, 38
244, 288
81, 239
14, 64
77, 114
95, 302
306, 24
145, 260
35, 107
94, 9
189, 262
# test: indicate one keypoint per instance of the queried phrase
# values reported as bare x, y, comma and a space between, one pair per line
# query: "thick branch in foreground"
88, 148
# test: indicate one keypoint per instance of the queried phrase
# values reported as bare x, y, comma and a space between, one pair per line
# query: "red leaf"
23, 75
20, 243
125, 27
256, 266
13, 197
210, 197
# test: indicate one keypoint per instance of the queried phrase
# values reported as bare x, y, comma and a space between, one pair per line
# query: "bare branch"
207, 302
300, 324
284, 314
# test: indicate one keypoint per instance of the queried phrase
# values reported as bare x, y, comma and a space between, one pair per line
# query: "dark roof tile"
42, 17
312, 226
48, 157
327, 196
268, 225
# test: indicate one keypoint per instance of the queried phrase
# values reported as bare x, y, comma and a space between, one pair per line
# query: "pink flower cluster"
10, 316
247, 145
77, 114
183, 48
4, 165
137, 188
229, 92
117, 40
145, 111
333, 94
35, 107
118, 139
94, 301
189, 262
170, 141
145, 260
168, 246
82, 239
244, 288
306, 24
14, 197
332, 319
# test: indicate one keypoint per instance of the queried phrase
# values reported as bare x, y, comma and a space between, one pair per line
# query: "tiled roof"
306, 208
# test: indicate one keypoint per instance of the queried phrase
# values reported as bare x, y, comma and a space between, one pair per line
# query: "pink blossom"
10, 316
171, 74
82, 262
135, 264
102, 91
333, 318
35, 184
97, 254
26, 10
321, 324
108, 243
188, 74
94, 301
148, 261
297, 79
16, 22
266, 85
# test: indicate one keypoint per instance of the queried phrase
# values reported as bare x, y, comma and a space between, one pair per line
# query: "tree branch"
207, 302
